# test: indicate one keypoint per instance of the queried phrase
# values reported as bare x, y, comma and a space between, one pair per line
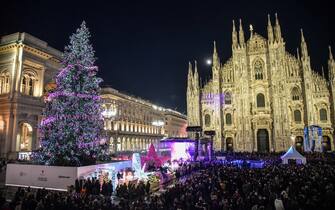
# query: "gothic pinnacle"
215, 55
298, 54
330, 53
302, 35
214, 46
277, 21
277, 29
270, 30
323, 72
234, 36
241, 33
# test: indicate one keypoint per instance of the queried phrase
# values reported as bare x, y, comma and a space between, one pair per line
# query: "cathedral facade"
263, 97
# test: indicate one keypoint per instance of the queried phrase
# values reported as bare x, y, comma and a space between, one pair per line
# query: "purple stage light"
181, 149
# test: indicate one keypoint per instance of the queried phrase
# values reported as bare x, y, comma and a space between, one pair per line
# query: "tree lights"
73, 122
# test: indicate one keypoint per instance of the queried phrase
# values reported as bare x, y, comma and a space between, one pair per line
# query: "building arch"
260, 100
259, 69
297, 116
28, 82
295, 94
323, 114
25, 136
207, 120
228, 98
263, 143
229, 144
229, 119
4, 81
299, 143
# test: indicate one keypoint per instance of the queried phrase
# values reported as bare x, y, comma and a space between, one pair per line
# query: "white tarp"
53, 177
293, 154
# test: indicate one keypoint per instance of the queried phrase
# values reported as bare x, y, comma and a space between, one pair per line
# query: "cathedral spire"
330, 53
189, 76
234, 36
270, 30
251, 29
277, 30
303, 45
196, 76
241, 34
216, 60
331, 65
298, 54
189, 70
195, 69
322, 72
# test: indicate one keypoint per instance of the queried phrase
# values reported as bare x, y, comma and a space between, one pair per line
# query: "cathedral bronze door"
299, 144
326, 143
229, 144
262, 140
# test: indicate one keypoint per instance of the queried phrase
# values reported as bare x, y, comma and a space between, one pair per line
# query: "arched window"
260, 100
227, 98
258, 68
25, 136
4, 82
297, 116
28, 83
295, 94
207, 120
228, 119
323, 114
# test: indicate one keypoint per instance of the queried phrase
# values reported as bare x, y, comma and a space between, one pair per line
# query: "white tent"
293, 154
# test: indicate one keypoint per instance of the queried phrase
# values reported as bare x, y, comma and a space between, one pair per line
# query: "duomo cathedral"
263, 97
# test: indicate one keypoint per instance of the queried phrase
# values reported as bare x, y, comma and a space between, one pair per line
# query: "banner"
54, 177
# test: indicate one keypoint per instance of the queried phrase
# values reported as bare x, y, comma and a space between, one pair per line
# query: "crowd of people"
206, 185
93, 186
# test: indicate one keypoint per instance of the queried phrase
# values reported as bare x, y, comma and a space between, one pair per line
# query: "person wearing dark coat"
77, 186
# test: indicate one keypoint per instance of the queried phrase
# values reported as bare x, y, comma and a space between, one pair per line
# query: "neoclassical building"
27, 65
132, 124
263, 97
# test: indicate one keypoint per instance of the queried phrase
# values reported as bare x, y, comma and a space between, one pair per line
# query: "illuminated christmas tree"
152, 160
72, 124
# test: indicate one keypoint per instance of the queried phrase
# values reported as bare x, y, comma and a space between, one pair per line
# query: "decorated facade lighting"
158, 123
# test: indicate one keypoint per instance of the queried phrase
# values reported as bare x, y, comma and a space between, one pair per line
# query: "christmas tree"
152, 160
72, 125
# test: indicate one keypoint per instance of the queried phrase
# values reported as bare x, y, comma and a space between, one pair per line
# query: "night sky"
143, 48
